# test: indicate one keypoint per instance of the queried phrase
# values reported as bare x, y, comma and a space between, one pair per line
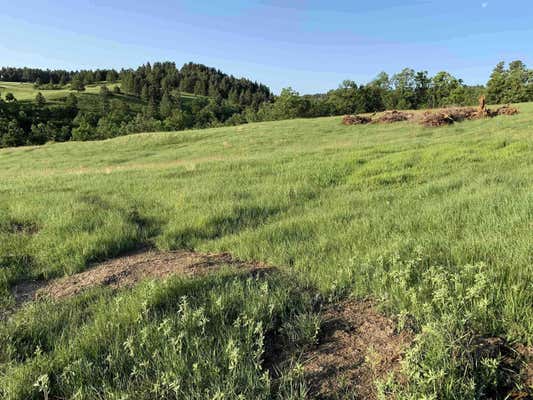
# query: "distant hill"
152, 81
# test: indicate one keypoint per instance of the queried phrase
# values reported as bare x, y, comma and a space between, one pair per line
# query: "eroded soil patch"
358, 346
129, 270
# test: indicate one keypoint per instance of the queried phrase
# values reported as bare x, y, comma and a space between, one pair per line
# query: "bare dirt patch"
358, 346
129, 270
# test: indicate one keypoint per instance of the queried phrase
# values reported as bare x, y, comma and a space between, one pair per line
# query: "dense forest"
56, 77
151, 83
162, 97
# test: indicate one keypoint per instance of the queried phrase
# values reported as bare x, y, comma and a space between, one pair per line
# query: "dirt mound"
356, 120
389, 117
359, 345
128, 270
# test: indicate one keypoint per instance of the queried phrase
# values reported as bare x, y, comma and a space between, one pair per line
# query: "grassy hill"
27, 91
433, 223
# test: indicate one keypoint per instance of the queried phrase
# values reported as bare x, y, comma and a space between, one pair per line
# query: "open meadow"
27, 91
432, 225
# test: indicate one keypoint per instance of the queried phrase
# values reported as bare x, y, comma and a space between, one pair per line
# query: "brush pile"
507, 110
389, 117
355, 120
450, 116
442, 117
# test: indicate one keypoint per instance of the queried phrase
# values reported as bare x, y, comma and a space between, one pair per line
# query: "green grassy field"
433, 223
27, 91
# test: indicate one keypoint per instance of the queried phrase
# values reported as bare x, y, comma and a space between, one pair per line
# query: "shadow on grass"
239, 219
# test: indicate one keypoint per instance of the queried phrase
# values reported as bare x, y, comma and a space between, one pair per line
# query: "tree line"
161, 97
405, 90
56, 76
510, 85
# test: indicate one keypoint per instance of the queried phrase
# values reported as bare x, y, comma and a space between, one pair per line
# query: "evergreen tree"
84, 129
71, 101
40, 101
77, 84
516, 89
104, 92
199, 88
145, 93
11, 134
111, 76
166, 105
496, 86
422, 86
39, 134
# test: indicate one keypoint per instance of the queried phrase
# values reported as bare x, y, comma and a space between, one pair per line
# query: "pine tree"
166, 105
496, 86
104, 92
72, 101
40, 100
77, 84
517, 82
145, 93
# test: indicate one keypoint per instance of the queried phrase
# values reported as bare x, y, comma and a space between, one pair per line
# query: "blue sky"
309, 45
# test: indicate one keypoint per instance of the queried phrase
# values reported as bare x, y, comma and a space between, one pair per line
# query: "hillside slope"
27, 91
433, 223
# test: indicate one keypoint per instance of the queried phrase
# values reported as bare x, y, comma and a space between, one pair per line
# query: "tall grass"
334, 204
191, 339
